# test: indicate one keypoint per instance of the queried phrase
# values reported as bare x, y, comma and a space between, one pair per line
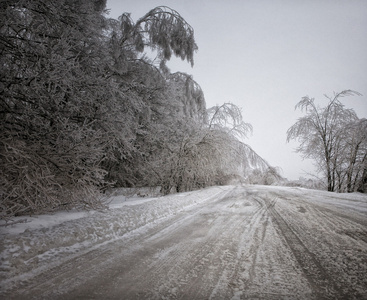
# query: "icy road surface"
248, 242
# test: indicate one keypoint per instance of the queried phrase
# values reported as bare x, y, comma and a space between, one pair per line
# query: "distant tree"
227, 121
214, 152
194, 154
323, 137
272, 176
308, 183
268, 176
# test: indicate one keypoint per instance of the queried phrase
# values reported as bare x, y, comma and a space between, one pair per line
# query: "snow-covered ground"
36, 243
231, 242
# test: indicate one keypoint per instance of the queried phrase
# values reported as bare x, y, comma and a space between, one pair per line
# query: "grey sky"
265, 55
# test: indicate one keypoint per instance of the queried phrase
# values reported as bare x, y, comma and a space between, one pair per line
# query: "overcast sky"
265, 55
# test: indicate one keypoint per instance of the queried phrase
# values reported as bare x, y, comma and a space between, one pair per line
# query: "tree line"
84, 108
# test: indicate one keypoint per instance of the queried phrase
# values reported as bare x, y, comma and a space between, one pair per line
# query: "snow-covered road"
240, 242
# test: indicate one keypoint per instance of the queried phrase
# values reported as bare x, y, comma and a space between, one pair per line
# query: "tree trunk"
362, 188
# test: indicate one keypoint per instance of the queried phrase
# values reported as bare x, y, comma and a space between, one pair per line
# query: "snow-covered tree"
354, 156
330, 136
52, 88
268, 176
76, 93
84, 108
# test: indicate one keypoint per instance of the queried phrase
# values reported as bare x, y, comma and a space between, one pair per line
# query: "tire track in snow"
81, 269
194, 273
356, 230
242, 244
176, 250
204, 265
258, 234
265, 269
342, 253
320, 280
335, 236
247, 230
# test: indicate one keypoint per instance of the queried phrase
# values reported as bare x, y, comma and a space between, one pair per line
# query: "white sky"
265, 55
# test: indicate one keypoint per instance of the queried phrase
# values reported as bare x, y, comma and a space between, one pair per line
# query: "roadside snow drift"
33, 243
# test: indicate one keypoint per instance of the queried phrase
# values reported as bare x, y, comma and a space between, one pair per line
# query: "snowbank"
35, 243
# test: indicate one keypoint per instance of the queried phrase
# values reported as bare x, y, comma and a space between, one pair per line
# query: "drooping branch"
162, 29
228, 117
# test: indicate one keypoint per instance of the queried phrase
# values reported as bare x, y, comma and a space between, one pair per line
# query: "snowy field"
231, 242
